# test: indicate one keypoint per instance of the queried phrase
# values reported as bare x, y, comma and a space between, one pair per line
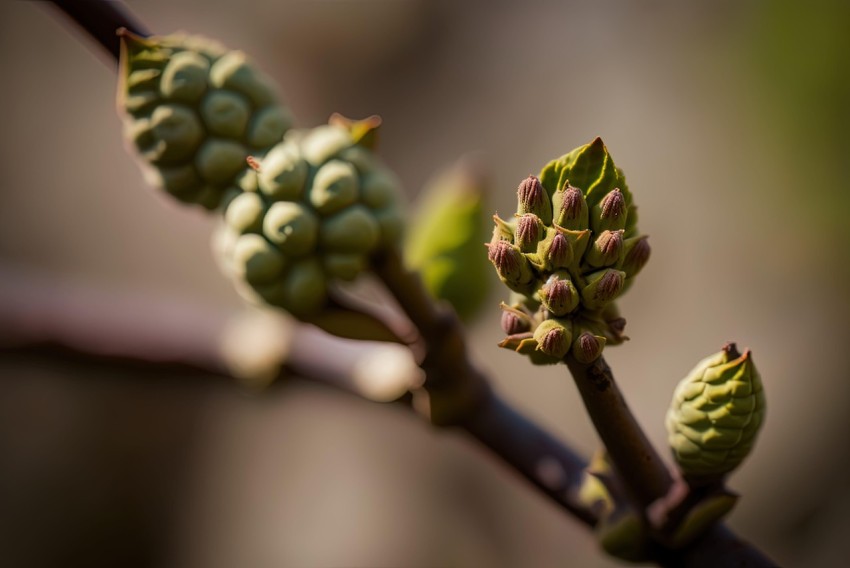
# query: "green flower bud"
602, 287
607, 250
268, 126
514, 321
179, 180
532, 198
233, 72
715, 415
637, 252
184, 78
555, 250
588, 347
610, 213
245, 212
553, 338
225, 113
334, 187
218, 161
292, 227
529, 229
391, 225
513, 268
176, 134
324, 142
283, 173
559, 295
256, 259
344, 266
302, 291
570, 208
354, 229
379, 188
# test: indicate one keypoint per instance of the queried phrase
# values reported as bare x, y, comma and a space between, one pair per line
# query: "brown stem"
643, 473
102, 19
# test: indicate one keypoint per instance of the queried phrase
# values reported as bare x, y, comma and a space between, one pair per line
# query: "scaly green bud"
636, 255
570, 208
715, 415
528, 231
532, 198
554, 338
607, 249
602, 287
611, 213
559, 295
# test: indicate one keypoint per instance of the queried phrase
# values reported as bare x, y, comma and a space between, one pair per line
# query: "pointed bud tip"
253, 163
732, 352
613, 204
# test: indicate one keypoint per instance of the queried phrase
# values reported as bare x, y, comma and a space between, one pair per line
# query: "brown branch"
101, 19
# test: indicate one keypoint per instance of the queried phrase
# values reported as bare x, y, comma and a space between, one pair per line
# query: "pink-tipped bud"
611, 212
532, 198
587, 348
560, 253
637, 255
607, 250
553, 338
513, 324
602, 287
570, 208
512, 266
559, 295
528, 230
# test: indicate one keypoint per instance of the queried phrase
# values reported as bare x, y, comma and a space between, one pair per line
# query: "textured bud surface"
191, 106
305, 223
715, 414
573, 248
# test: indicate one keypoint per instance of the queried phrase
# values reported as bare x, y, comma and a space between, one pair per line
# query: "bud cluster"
570, 251
301, 208
194, 110
314, 210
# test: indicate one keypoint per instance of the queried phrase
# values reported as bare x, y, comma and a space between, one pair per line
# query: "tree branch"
101, 19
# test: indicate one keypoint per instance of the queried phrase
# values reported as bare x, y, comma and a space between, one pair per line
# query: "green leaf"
445, 239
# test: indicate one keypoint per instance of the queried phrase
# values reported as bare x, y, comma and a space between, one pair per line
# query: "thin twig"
101, 20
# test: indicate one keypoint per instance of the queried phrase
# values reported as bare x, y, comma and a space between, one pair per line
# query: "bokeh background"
730, 120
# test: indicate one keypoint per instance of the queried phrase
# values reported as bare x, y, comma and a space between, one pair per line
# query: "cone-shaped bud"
607, 250
570, 208
559, 295
528, 232
532, 198
636, 255
514, 321
588, 347
609, 214
556, 249
602, 287
553, 338
512, 266
715, 415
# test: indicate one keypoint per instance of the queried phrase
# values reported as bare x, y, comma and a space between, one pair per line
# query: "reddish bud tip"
613, 204
513, 324
610, 285
571, 206
528, 231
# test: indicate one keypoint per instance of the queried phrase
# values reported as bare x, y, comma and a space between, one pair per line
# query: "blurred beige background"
730, 120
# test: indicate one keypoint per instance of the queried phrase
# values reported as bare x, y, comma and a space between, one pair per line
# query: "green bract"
715, 415
570, 251
195, 111
297, 224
